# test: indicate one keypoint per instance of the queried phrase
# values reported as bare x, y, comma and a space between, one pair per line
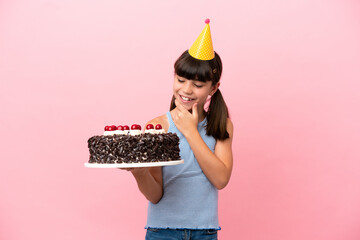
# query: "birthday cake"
120, 144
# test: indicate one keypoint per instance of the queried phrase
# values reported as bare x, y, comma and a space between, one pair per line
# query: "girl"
183, 199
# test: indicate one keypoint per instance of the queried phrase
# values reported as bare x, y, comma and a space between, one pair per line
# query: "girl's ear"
214, 88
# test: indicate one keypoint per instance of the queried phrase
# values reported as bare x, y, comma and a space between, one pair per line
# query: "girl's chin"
187, 107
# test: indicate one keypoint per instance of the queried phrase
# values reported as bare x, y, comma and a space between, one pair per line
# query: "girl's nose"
187, 88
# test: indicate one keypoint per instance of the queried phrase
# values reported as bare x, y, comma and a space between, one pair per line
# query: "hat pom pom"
207, 21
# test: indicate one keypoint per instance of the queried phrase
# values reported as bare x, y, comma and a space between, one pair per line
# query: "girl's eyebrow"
183, 79
198, 81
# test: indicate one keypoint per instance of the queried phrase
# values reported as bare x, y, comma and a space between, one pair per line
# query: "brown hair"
206, 70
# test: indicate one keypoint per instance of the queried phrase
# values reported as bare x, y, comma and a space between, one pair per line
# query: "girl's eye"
181, 81
198, 86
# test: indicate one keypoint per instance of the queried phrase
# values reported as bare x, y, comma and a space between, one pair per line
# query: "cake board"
133, 165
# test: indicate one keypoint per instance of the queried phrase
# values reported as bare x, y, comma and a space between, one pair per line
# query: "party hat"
202, 48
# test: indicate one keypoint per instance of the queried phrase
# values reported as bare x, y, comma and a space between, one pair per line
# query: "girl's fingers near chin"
180, 107
194, 110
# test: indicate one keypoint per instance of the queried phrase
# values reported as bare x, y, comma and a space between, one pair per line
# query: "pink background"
291, 81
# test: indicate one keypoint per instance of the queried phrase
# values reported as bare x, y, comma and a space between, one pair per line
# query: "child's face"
188, 92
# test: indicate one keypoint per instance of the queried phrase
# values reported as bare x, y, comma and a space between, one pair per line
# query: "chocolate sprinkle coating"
132, 149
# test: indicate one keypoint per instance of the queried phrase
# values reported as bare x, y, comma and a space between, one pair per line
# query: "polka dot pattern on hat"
202, 48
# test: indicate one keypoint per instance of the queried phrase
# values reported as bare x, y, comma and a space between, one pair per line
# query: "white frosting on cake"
109, 133
135, 132
160, 131
150, 131
120, 132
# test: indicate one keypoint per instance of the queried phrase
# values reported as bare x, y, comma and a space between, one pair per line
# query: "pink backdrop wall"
291, 81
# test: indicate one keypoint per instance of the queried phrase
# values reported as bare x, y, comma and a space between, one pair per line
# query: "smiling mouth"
186, 98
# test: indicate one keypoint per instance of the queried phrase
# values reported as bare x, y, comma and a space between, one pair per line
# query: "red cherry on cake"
121, 128
112, 128
126, 127
135, 127
106, 128
158, 127
149, 126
